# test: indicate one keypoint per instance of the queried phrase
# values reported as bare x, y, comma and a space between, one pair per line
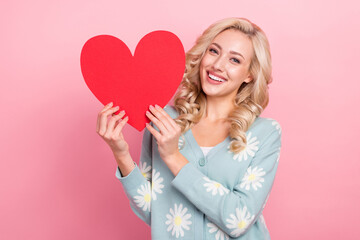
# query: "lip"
217, 75
213, 81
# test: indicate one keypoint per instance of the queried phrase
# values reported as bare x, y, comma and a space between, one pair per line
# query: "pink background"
57, 175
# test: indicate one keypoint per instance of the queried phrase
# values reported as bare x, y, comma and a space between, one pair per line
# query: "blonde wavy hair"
252, 97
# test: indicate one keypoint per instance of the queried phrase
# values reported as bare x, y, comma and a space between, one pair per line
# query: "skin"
221, 59
229, 57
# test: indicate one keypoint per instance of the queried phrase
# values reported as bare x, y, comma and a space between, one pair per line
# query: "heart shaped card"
133, 83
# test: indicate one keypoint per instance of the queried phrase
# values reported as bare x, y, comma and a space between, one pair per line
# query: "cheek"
206, 60
202, 70
238, 74
201, 66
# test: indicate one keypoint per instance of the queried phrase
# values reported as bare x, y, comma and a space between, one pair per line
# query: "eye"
235, 60
213, 50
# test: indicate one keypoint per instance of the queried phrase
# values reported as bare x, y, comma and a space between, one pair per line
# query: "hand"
169, 134
111, 131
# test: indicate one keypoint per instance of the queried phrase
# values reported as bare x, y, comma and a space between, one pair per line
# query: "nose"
219, 64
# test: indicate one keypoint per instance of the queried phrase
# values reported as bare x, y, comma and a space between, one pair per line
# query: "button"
202, 161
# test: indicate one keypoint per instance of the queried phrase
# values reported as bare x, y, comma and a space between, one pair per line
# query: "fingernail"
122, 112
157, 106
109, 104
147, 112
151, 107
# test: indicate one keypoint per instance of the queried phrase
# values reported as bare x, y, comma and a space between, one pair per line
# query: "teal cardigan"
220, 196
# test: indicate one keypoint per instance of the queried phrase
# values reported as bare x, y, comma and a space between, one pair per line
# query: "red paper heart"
133, 83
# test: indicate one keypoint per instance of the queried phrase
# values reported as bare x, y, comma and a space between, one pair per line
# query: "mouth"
215, 78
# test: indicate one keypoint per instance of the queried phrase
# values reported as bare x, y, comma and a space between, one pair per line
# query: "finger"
167, 116
160, 117
112, 121
103, 119
157, 122
108, 106
120, 126
153, 131
99, 115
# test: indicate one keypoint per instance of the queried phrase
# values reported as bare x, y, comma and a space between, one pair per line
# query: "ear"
248, 79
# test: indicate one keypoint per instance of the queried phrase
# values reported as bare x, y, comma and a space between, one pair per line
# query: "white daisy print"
145, 170
267, 197
181, 142
250, 149
262, 220
156, 184
215, 187
253, 177
277, 125
240, 221
220, 235
178, 220
277, 160
144, 199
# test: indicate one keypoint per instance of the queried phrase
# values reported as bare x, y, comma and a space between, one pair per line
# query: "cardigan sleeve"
137, 184
234, 210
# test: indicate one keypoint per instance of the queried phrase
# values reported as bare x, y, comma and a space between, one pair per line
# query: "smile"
215, 78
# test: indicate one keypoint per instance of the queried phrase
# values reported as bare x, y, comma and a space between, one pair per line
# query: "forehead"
235, 40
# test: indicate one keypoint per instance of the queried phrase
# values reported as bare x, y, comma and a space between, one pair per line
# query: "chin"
209, 92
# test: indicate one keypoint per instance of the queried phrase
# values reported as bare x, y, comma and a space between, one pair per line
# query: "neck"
217, 109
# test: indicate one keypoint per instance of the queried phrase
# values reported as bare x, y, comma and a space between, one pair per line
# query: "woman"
208, 164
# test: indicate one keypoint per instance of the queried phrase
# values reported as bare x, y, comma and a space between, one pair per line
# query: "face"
225, 64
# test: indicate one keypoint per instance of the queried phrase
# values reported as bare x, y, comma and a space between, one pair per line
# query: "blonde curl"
252, 97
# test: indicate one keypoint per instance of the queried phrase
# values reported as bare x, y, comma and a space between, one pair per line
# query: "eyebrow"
232, 52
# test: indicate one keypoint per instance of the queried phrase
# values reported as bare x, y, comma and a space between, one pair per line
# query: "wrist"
125, 163
122, 157
175, 162
171, 157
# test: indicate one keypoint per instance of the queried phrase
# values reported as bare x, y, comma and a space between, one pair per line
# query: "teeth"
216, 78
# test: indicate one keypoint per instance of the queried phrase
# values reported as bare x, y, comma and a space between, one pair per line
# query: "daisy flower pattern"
277, 160
262, 220
181, 142
219, 234
250, 149
240, 221
145, 170
267, 198
156, 184
215, 187
178, 220
253, 177
144, 199
277, 125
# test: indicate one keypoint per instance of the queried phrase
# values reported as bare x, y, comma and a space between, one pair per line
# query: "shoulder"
266, 124
171, 111
266, 129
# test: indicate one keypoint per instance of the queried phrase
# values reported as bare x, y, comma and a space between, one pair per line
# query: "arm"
236, 209
137, 183
125, 164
